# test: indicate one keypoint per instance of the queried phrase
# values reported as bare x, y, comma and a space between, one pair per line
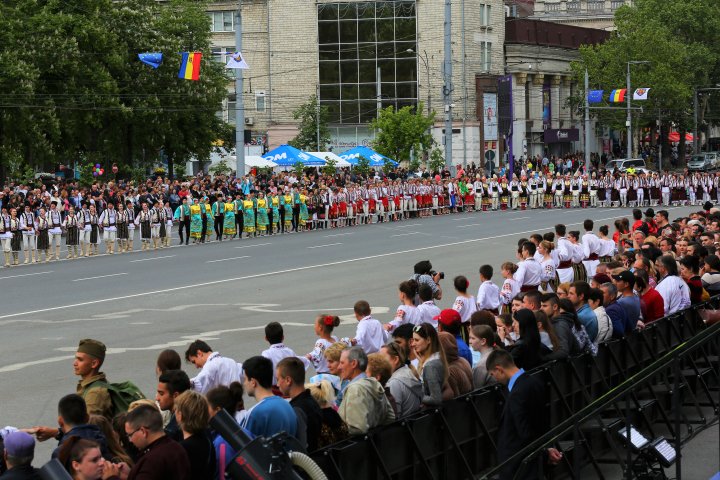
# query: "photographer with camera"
424, 274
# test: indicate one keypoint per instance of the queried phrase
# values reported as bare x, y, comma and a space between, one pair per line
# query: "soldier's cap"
94, 348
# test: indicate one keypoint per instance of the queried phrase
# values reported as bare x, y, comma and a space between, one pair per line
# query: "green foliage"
72, 83
298, 168
329, 168
388, 166
436, 161
398, 132
414, 164
306, 139
220, 168
362, 166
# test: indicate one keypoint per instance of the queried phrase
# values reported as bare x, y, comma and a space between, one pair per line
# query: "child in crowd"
464, 304
482, 339
488, 297
324, 325
510, 287
427, 310
407, 311
275, 336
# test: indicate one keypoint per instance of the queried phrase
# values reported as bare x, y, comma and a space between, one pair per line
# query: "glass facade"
357, 39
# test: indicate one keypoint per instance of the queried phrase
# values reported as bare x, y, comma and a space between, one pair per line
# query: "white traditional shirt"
218, 370
529, 273
465, 306
277, 352
404, 314
488, 297
370, 335
426, 312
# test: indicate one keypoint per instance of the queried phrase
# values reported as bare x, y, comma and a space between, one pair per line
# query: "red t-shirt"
652, 306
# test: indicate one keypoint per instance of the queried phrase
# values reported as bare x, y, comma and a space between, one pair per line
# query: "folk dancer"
43, 240
143, 220
94, 231
168, 214
529, 273
565, 252
108, 223
591, 249
218, 213
16, 241
558, 187
84, 226
514, 193
578, 255
72, 232
130, 211
229, 222
27, 224
122, 221
55, 230
182, 215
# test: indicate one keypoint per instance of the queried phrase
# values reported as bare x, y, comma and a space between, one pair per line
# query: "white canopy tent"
339, 162
251, 161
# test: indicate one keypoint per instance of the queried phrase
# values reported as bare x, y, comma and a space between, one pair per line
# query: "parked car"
622, 165
703, 162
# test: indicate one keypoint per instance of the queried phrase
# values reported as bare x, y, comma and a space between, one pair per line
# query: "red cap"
448, 317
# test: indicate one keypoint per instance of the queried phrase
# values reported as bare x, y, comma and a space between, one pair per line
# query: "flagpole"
239, 101
587, 123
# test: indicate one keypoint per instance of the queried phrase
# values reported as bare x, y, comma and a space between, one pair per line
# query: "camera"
433, 273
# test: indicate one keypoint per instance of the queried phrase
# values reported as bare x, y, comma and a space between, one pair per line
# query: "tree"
329, 168
398, 132
436, 160
678, 37
362, 166
307, 137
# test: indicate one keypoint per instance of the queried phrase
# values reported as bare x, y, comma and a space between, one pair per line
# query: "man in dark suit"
524, 417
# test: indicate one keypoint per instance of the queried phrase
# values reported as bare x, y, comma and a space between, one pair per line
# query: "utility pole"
695, 118
464, 81
447, 87
587, 123
629, 115
239, 102
378, 91
317, 116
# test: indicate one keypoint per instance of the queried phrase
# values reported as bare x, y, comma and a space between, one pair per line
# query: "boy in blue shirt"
271, 414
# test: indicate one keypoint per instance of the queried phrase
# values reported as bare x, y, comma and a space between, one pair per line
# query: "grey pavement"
225, 292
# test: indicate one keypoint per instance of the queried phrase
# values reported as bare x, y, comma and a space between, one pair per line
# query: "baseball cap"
19, 445
448, 317
625, 276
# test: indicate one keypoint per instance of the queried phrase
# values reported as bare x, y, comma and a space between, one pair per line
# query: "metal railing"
632, 379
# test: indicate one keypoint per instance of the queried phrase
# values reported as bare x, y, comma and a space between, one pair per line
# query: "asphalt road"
143, 302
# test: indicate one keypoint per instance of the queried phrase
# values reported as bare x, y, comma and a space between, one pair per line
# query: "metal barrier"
458, 440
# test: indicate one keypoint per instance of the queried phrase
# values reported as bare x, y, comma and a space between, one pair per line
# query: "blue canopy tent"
376, 159
288, 156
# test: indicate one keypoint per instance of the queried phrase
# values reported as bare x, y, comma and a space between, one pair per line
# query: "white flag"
237, 61
641, 94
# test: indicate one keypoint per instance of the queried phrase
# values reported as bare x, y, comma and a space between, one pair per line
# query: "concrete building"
344, 50
534, 116
598, 14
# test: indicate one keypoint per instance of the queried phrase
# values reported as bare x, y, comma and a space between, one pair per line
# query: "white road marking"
469, 225
255, 245
27, 274
224, 259
410, 225
328, 245
518, 218
100, 276
337, 235
280, 272
154, 258
405, 234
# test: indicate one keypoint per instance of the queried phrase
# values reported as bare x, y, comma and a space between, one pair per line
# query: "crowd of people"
34, 220
563, 294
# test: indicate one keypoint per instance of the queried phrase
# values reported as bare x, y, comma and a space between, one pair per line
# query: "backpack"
121, 394
583, 339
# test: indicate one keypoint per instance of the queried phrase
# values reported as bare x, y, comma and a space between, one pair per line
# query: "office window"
357, 39
485, 20
231, 111
260, 101
221, 21
485, 56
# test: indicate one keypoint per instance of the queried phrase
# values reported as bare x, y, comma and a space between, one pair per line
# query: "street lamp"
427, 70
696, 89
629, 114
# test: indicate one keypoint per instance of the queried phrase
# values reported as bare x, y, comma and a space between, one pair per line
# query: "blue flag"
595, 96
154, 59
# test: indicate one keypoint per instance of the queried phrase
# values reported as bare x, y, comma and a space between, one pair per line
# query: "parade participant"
594, 188
122, 228
262, 219
479, 191
558, 187
239, 216
591, 248
303, 215
406, 312
196, 221
488, 296
529, 273
607, 247
465, 304
54, 231
273, 213
494, 192
545, 249
94, 231
249, 215
578, 255
130, 211
157, 224
85, 227
143, 220
204, 216
166, 228
324, 325
575, 190
229, 226
370, 335
565, 253
108, 223
514, 193
510, 287
16, 240
6, 237
27, 224
214, 369
218, 213
182, 215
43, 240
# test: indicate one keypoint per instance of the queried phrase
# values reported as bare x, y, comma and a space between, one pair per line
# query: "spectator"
465, 303
118, 453
83, 461
563, 325
449, 321
161, 457
19, 451
332, 355
407, 311
170, 385
432, 365
73, 420
230, 399
167, 360
380, 369
524, 417
403, 384
675, 292
403, 336
690, 272
459, 369
370, 334
482, 339
324, 326
651, 303
291, 382
578, 329
527, 350
547, 332
333, 429
271, 414
426, 310
605, 326
215, 369
531, 300
488, 296
93, 383
424, 275
364, 405
192, 414
275, 336
577, 294
625, 282
618, 317
711, 274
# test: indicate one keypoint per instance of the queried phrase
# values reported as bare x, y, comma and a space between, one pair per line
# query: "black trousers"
295, 217
239, 223
270, 221
184, 227
282, 219
219, 223
203, 232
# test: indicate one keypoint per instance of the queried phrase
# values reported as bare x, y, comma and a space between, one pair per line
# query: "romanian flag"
190, 66
617, 96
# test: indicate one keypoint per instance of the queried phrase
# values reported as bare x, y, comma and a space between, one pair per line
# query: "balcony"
615, 4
